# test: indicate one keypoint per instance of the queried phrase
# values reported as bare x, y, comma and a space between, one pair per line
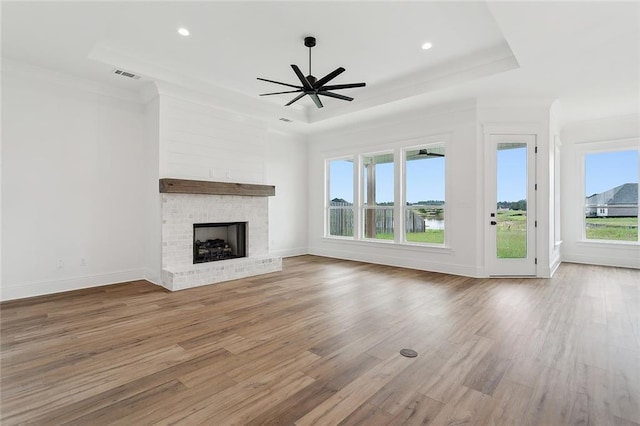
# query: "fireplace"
236, 213
219, 241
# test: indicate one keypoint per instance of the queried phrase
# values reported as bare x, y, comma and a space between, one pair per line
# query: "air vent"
286, 120
126, 74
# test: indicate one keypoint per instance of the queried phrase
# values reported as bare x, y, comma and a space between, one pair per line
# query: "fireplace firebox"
219, 241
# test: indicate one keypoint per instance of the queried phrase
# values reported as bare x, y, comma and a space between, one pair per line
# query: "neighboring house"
621, 201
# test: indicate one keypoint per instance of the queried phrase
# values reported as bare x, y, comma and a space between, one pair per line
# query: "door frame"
490, 259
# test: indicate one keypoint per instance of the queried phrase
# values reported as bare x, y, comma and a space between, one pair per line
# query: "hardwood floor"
319, 344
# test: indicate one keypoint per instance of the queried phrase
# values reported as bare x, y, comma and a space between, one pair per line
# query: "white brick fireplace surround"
221, 203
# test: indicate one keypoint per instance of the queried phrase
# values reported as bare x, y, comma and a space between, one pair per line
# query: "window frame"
362, 207
327, 197
602, 147
403, 200
397, 148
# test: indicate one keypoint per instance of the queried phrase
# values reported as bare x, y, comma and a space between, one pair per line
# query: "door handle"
493, 222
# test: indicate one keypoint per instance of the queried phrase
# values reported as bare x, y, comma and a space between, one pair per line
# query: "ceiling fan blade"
302, 78
295, 99
277, 82
333, 74
344, 86
316, 99
334, 95
280, 93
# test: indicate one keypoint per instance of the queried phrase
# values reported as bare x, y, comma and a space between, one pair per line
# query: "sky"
341, 180
606, 170
425, 178
511, 174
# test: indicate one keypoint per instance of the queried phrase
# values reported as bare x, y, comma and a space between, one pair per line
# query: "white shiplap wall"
203, 142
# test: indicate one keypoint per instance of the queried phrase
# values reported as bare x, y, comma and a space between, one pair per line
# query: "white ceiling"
584, 53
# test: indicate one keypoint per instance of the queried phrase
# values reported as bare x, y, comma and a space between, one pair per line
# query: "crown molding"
418, 84
508, 102
382, 117
19, 68
198, 90
612, 120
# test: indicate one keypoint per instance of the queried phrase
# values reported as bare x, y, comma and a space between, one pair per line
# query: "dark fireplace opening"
219, 241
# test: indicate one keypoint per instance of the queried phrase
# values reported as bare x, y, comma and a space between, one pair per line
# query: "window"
424, 194
340, 203
391, 196
611, 195
378, 196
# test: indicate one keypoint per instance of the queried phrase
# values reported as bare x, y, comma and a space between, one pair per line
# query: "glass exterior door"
511, 214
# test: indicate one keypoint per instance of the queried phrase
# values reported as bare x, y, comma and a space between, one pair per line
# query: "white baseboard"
401, 262
554, 265
601, 260
31, 289
152, 276
299, 251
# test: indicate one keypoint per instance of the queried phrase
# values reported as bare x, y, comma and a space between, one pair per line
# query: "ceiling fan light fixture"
312, 86
427, 45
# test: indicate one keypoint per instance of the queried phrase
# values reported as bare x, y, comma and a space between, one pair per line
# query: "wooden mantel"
183, 186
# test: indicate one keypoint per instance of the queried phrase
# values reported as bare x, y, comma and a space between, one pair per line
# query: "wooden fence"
341, 220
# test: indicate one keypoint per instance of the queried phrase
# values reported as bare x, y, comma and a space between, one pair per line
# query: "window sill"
608, 243
389, 243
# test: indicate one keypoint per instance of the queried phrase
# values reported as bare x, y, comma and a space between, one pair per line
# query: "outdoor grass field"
612, 228
433, 236
511, 234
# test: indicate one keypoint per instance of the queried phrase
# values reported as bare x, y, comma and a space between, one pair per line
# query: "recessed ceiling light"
427, 46
183, 31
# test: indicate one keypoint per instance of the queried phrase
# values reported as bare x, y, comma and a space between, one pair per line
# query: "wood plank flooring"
318, 344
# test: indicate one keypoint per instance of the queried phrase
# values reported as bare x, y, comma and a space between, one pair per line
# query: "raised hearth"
180, 212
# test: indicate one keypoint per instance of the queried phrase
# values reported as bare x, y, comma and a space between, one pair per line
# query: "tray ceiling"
479, 49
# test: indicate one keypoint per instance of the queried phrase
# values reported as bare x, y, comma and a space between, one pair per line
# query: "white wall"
528, 116
152, 220
80, 178
458, 122
577, 138
71, 185
81, 166
287, 169
466, 202
555, 193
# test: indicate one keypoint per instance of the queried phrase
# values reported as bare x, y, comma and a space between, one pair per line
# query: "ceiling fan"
427, 153
312, 86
